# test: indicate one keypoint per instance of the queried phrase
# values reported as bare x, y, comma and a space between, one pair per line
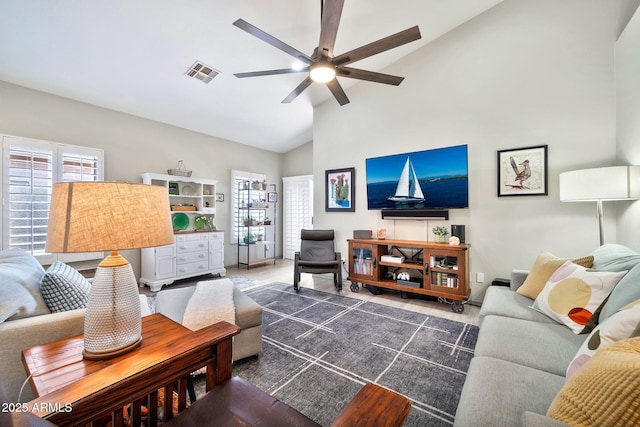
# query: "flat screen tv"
431, 179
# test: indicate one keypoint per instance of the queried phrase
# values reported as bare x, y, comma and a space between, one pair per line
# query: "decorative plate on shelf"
187, 190
200, 222
180, 221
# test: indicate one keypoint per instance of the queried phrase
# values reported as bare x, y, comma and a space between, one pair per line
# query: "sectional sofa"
518, 376
38, 307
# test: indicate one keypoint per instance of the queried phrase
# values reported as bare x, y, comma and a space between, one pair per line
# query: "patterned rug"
319, 349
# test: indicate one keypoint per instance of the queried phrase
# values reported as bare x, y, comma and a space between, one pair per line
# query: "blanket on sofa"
211, 302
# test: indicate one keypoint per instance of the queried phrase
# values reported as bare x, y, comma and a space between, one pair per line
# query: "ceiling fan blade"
257, 32
338, 92
271, 72
371, 76
298, 90
378, 46
329, 30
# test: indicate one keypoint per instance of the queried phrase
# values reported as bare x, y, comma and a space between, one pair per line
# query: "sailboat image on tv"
408, 189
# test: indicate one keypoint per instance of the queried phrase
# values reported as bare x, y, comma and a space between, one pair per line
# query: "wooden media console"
435, 269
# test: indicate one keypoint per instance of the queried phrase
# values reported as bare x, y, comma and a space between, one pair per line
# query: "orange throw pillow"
545, 265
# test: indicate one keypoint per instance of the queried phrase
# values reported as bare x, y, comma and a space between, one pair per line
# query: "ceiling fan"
321, 65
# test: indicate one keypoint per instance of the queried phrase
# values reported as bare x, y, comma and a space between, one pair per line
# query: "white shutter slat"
29, 170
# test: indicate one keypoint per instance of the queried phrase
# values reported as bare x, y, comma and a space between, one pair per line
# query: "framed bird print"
522, 172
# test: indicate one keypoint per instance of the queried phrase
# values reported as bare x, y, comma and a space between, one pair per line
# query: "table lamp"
600, 184
109, 216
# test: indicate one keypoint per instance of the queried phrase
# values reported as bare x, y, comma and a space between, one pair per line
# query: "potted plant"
266, 221
440, 234
256, 185
250, 238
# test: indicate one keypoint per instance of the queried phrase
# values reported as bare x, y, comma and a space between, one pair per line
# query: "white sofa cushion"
14, 300
20, 267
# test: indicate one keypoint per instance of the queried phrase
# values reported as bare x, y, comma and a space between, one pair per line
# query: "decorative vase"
440, 238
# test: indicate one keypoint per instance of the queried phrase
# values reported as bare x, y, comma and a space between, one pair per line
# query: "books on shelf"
363, 266
446, 280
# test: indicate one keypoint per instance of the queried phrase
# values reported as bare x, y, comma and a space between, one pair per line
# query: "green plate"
180, 221
200, 222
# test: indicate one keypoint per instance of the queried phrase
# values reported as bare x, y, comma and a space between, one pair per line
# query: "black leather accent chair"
317, 255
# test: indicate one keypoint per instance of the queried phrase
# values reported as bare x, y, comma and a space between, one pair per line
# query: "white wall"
525, 73
298, 161
134, 145
628, 123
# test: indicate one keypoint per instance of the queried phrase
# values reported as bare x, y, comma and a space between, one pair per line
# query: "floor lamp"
109, 216
600, 185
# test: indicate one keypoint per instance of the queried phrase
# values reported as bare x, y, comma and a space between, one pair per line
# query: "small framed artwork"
523, 172
173, 188
219, 197
340, 191
272, 197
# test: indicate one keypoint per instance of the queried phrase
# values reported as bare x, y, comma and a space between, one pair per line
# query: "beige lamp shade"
109, 216
106, 216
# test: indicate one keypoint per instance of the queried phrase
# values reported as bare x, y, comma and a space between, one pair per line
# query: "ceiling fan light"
322, 72
298, 65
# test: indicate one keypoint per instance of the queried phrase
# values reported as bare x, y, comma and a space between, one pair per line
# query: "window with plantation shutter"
297, 211
29, 170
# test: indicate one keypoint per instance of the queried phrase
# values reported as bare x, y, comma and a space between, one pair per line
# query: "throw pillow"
64, 289
573, 293
625, 291
20, 267
544, 266
605, 391
620, 326
614, 257
14, 300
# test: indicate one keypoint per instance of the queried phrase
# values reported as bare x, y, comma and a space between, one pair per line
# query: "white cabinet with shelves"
188, 195
198, 247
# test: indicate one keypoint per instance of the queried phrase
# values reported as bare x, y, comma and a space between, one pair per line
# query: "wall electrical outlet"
480, 277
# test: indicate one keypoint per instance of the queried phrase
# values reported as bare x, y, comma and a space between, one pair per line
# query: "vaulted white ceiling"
132, 55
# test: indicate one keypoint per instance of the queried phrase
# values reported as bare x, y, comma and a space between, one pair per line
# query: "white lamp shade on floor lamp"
109, 216
599, 185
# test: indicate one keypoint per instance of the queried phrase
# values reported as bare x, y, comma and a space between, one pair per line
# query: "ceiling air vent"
202, 72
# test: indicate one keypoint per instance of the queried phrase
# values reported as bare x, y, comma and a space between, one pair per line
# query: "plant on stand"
250, 238
440, 234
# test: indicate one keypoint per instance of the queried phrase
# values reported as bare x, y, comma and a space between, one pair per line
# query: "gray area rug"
319, 349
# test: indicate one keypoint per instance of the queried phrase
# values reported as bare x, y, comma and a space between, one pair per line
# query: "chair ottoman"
173, 303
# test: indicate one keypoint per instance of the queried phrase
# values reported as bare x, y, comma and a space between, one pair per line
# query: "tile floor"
282, 271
